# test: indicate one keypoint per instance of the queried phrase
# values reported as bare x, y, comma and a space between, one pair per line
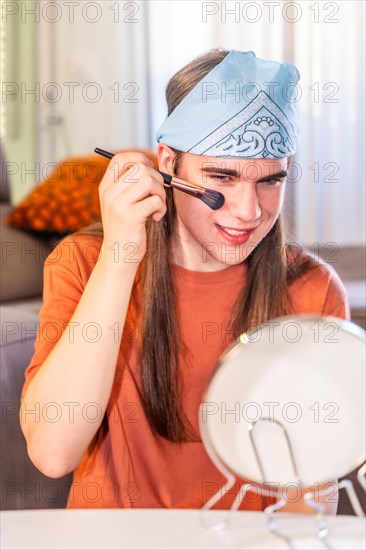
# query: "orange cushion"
68, 199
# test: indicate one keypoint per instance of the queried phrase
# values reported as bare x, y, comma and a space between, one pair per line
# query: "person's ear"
165, 157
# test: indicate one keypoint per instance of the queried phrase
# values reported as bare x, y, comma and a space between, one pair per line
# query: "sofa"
22, 257
23, 254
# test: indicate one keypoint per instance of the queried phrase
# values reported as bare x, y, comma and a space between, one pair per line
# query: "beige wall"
19, 107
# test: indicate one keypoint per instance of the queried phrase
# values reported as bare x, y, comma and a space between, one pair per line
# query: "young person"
124, 352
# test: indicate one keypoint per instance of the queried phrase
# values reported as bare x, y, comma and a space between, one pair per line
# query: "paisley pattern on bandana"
213, 121
254, 132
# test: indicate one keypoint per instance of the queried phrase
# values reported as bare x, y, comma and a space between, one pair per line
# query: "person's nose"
243, 202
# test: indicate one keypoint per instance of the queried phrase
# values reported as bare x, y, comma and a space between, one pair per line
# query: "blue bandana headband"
243, 108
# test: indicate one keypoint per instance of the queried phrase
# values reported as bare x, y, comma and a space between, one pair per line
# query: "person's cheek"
188, 208
271, 200
281, 197
180, 201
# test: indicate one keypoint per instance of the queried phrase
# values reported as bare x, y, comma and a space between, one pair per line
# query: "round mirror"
286, 403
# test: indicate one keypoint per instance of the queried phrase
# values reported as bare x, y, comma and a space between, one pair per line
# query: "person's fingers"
134, 189
121, 163
151, 206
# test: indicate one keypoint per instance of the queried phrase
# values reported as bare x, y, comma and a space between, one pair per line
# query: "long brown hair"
272, 266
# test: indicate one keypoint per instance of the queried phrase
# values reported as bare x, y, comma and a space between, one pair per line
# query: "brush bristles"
213, 199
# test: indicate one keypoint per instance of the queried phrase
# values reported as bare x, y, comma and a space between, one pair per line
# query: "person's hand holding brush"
130, 191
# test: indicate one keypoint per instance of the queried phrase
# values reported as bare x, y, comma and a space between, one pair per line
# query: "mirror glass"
286, 403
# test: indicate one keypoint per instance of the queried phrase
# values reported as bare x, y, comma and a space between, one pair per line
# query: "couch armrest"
22, 485
22, 257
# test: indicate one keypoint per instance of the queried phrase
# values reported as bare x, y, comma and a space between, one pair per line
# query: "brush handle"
213, 199
108, 155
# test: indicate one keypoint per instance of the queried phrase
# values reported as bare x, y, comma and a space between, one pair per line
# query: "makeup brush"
213, 199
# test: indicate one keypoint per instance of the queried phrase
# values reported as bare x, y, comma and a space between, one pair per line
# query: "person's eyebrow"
235, 174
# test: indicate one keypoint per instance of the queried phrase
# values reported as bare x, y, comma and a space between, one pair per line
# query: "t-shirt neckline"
228, 274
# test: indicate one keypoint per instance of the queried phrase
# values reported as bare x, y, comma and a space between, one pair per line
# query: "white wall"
107, 106
144, 43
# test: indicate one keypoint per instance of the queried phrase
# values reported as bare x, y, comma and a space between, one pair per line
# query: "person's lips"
235, 235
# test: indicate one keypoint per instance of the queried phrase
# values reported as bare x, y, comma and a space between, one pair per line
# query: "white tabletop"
154, 528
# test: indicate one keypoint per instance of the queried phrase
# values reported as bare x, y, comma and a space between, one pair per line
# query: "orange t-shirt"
126, 465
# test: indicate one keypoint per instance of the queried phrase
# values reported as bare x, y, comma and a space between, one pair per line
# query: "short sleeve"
320, 291
63, 286
336, 302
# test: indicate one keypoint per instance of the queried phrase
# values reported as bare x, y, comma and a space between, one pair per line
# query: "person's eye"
273, 182
221, 179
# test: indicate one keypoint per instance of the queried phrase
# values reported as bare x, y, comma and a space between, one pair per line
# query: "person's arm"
81, 369
336, 302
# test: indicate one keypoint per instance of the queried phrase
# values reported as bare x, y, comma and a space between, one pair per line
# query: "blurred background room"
81, 74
